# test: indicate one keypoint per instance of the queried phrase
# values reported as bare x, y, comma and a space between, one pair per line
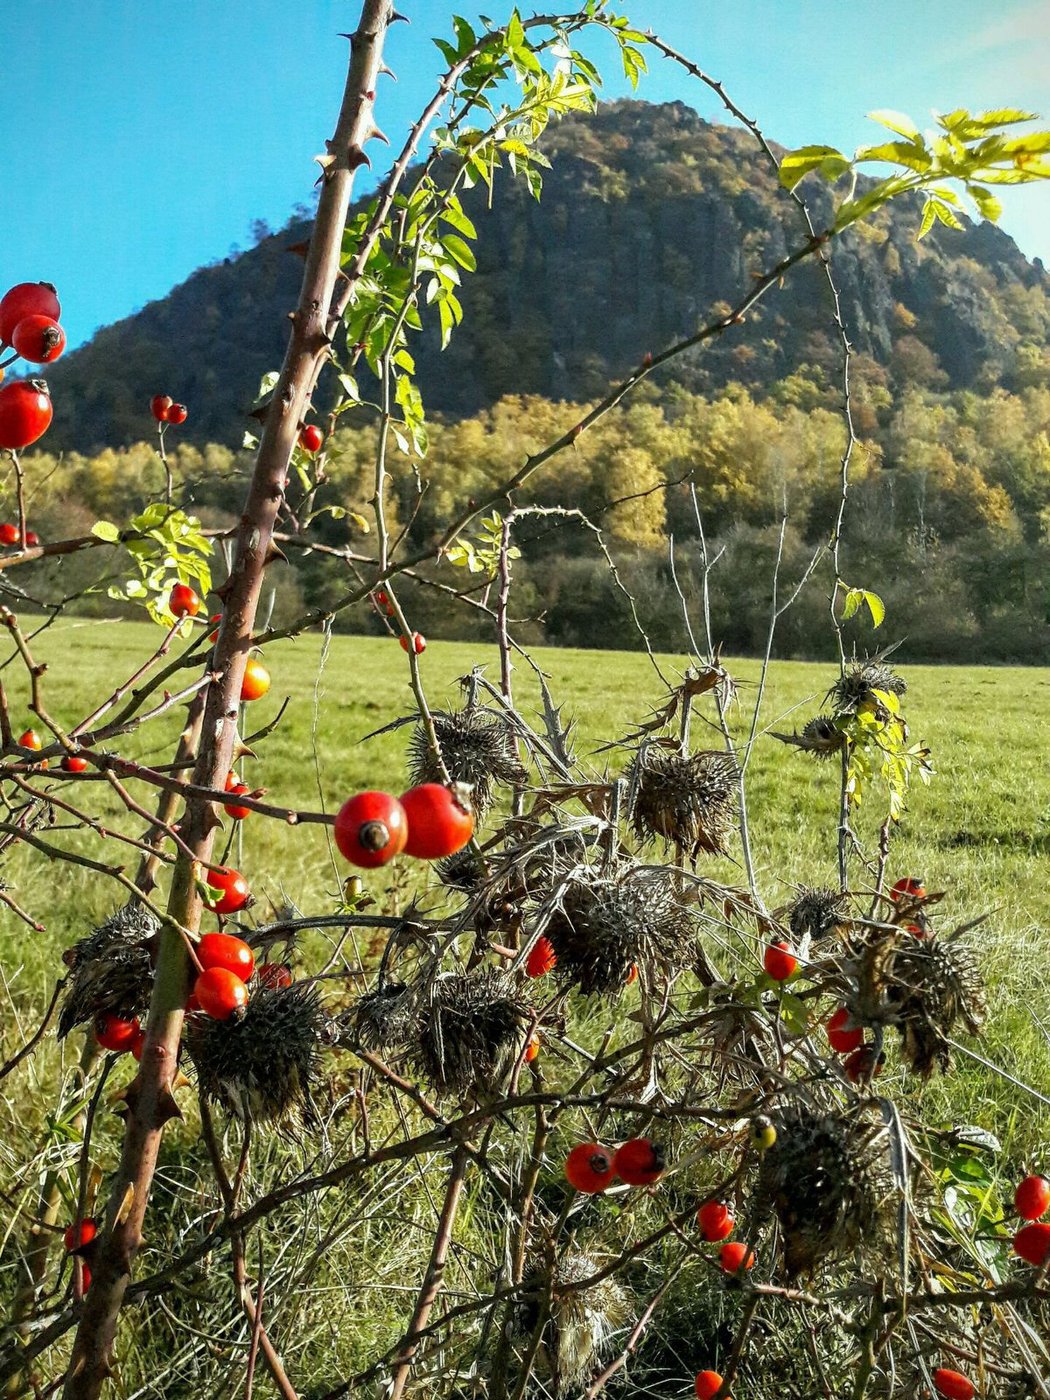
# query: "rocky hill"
649, 218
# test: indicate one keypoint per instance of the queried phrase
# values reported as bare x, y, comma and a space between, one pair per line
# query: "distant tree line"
950, 517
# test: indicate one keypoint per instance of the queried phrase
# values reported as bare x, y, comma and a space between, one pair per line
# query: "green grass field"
980, 831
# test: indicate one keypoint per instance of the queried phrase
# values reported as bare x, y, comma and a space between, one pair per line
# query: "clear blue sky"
139, 140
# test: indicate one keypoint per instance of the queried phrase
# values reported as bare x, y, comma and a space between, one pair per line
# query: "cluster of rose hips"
226, 963
166, 410
428, 821
79, 1240
863, 1061
592, 1168
416, 642
1032, 1201
183, 601
29, 326
10, 535
71, 762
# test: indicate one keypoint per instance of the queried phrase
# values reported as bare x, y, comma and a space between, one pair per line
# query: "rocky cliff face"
650, 217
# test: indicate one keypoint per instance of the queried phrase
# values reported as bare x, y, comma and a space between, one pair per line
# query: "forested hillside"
650, 216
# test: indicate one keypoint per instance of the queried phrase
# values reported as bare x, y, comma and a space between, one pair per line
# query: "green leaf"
794, 1014
449, 54
105, 530
797, 164
929, 215
455, 216
988, 206
1003, 116
947, 216
856, 597
456, 248
898, 122
466, 36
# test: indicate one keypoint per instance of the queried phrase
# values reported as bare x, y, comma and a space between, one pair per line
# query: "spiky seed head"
604, 925
817, 912
110, 969
582, 1324
829, 1181
263, 1066
688, 799
470, 1031
860, 682
385, 1018
463, 871
478, 748
933, 985
821, 736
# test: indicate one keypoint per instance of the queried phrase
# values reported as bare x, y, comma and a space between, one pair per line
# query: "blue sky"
138, 141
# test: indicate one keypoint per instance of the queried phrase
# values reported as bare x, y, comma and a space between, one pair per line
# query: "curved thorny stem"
150, 1099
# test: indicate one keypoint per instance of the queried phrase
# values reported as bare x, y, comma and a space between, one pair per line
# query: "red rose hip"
1032, 1243
734, 1256
39, 339
371, 828
779, 961
26, 299
232, 887
220, 993
236, 789
952, 1385
589, 1168
438, 823
80, 1235
839, 1037
708, 1384
1032, 1197
115, 1033
715, 1221
224, 950
183, 601
639, 1162
25, 413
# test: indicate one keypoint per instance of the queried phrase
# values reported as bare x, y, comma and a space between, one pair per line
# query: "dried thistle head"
933, 985
820, 736
582, 1323
817, 912
385, 1018
689, 799
829, 1181
478, 748
464, 871
604, 925
264, 1065
739, 1041
470, 1030
110, 969
857, 686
